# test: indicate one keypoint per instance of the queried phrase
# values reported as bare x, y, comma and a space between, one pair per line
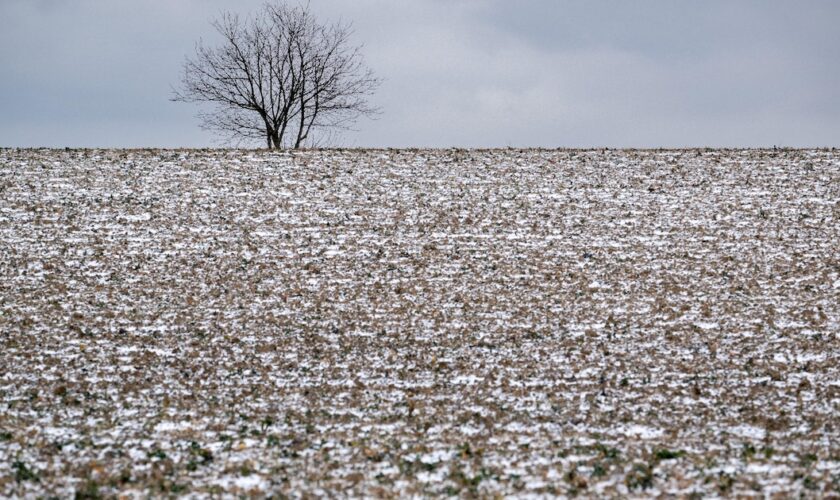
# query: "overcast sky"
551, 73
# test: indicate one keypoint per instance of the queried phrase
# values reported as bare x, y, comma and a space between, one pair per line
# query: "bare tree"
279, 77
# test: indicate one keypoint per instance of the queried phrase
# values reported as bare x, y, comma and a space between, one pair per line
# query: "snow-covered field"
527, 322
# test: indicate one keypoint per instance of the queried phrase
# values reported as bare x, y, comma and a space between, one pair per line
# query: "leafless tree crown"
280, 77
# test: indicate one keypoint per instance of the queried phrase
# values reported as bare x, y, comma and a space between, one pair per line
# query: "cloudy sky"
551, 73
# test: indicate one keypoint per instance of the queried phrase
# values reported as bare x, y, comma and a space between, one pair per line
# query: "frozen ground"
420, 322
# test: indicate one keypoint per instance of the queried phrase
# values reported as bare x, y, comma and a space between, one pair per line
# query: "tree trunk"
269, 135
299, 139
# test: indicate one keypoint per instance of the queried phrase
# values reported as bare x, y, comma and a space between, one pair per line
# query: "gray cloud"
467, 73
